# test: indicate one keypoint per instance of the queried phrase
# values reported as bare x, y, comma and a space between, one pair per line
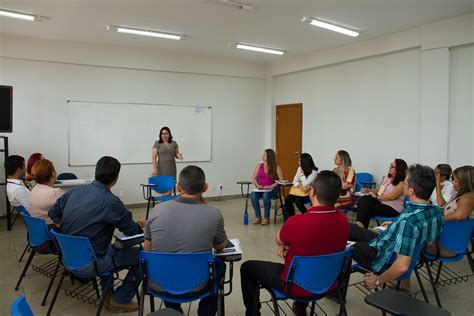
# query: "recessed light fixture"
238, 5
257, 48
329, 26
144, 32
19, 15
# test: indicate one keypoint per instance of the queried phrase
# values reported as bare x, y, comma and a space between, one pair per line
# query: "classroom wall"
45, 74
407, 95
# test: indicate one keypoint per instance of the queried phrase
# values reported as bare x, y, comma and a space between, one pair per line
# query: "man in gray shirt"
187, 225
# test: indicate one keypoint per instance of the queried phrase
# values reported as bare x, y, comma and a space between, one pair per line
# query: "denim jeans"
267, 201
123, 259
207, 305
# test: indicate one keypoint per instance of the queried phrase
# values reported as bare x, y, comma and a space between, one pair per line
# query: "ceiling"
210, 25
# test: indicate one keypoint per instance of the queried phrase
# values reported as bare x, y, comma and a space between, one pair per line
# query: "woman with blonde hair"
43, 195
264, 177
344, 169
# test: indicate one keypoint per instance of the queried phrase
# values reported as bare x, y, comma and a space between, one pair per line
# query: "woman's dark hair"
307, 164
170, 139
401, 171
346, 158
445, 170
107, 170
271, 164
465, 177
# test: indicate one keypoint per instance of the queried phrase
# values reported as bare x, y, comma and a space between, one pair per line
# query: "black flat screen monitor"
6, 109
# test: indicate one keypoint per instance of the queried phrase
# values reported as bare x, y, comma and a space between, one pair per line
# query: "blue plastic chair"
22, 210
67, 176
454, 237
77, 253
181, 277
20, 307
159, 184
316, 274
364, 180
39, 238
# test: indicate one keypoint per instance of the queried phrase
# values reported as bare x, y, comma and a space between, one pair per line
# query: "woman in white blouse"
299, 193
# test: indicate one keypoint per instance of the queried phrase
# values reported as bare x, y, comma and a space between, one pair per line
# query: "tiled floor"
258, 242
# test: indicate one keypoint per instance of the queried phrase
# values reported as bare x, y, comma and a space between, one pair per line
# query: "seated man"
444, 191
187, 225
321, 230
94, 212
419, 223
17, 192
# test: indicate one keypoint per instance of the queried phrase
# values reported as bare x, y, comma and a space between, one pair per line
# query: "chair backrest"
414, 261
362, 177
67, 176
77, 252
456, 235
20, 307
37, 230
22, 210
162, 184
316, 274
178, 273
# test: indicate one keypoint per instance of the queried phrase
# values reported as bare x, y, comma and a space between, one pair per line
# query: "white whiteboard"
127, 131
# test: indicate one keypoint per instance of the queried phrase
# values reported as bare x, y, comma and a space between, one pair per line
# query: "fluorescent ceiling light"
18, 15
329, 26
143, 32
257, 49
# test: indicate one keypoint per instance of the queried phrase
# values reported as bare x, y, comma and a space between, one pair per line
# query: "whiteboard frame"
127, 103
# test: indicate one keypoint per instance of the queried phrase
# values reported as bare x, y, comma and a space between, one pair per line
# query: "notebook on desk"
122, 237
231, 248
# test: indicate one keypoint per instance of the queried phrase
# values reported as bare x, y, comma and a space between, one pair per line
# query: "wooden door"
289, 129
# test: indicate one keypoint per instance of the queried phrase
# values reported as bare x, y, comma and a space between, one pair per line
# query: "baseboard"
210, 198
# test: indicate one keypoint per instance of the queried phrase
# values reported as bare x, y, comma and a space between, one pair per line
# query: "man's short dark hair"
328, 186
192, 179
421, 179
445, 170
12, 163
107, 170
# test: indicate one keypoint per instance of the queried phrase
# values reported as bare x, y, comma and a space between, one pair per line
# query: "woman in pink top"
462, 207
387, 199
43, 195
263, 178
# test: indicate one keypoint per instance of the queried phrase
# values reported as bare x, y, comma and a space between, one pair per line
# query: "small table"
242, 183
397, 303
230, 259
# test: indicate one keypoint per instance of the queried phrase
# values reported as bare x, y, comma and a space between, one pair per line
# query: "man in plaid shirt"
419, 223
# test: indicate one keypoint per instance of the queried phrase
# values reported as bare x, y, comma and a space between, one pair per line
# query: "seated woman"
462, 207
444, 191
29, 165
43, 195
263, 178
387, 199
299, 193
344, 169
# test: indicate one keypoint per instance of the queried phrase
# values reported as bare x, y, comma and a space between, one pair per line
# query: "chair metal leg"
433, 285
96, 288
313, 306
439, 272
27, 248
51, 305
51, 282
32, 254
147, 208
275, 306
104, 294
152, 303
420, 283
141, 303
470, 260
342, 304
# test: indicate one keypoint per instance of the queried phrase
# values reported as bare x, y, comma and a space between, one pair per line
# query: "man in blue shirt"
94, 212
419, 223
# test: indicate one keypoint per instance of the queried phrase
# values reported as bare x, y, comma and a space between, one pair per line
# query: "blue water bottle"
246, 218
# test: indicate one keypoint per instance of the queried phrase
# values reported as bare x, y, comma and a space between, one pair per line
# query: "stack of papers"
235, 250
350, 244
380, 228
122, 237
261, 190
284, 182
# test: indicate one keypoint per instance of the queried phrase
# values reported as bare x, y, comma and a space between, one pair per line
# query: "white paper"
283, 182
350, 244
122, 237
230, 251
261, 190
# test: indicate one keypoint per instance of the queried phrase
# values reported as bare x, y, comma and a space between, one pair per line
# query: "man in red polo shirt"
321, 230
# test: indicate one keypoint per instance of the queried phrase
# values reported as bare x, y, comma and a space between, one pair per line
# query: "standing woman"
299, 193
263, 178
163, 154
344, 169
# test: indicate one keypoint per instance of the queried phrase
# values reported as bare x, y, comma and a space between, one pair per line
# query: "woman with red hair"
32, 160
387, 199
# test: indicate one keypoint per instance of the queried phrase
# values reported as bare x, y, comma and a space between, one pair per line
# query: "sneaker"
115, 307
